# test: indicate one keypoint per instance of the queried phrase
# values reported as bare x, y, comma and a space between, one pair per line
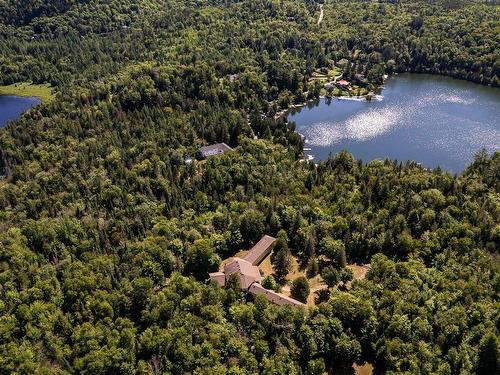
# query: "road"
321, 13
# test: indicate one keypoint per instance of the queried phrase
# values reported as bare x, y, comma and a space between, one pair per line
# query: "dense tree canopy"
107, 234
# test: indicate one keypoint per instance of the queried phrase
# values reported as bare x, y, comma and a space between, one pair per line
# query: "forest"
107, 235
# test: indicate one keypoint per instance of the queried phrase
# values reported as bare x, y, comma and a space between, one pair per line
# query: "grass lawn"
316, 283
359, 91
356, 91
26, 89
318, 74
334, 72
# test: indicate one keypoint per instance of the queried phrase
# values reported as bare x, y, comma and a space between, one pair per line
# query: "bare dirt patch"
366, 369
316, 283
360, 271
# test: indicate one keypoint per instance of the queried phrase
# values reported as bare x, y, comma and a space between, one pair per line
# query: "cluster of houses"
248, 273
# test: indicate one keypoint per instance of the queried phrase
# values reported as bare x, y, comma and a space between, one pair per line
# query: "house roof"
274, 297
249, 275
218, 148
218, 277
343, 82
260, 250
247, 272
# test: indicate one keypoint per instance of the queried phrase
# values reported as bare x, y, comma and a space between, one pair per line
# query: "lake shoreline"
434, 121
345, 96
291, 107
43, 92
12, 107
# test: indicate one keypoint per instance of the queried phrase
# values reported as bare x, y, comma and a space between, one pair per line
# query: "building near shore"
218, 277
246, 272
343, 84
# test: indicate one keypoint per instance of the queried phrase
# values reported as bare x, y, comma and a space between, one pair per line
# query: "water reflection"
11, 107
430, 119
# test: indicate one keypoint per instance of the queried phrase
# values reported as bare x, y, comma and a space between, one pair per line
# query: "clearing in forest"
27, 89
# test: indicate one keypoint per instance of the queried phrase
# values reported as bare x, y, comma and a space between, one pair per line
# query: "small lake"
11, 107
434, 120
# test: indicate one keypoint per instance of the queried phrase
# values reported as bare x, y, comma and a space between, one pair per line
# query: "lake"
434, 120
11, 107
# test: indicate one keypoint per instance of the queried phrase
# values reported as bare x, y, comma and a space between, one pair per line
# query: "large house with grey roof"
215, 149
247, 270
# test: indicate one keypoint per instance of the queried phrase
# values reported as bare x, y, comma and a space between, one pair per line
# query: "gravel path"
321, 13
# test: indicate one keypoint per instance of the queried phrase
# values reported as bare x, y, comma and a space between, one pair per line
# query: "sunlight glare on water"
431, 119
359, 127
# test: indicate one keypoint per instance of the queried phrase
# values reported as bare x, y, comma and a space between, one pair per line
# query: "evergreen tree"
300, 289
488, 358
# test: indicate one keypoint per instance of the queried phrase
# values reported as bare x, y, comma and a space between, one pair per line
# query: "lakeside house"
215, 149
343, 84
249, 276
